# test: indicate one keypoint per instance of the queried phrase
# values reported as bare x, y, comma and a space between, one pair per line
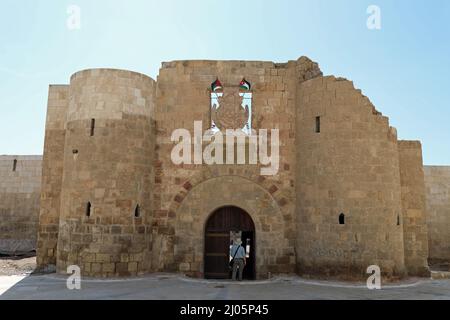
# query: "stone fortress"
348, 194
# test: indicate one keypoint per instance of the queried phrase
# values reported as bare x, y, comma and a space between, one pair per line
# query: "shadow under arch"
223, 226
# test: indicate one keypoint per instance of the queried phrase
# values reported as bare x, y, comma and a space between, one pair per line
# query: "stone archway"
221, 226
274, 250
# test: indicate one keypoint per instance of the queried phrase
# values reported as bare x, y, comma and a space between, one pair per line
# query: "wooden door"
216, 255
217, 240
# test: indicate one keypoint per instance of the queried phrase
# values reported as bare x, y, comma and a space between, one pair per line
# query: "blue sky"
404, 68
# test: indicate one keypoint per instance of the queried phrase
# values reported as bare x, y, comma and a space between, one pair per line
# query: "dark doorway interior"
217, 242
248, 241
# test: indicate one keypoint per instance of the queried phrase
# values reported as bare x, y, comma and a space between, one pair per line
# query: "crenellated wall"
20, 179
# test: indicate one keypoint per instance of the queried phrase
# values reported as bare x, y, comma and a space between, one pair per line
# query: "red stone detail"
187, 185
273, 189
158, 164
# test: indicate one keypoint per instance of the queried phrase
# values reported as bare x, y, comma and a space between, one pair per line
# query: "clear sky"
404, 67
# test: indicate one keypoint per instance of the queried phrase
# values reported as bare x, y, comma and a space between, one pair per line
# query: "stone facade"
109, 170
343, 170
415, 231
52, 170
347, 193
437, 182
20, 185
186, 195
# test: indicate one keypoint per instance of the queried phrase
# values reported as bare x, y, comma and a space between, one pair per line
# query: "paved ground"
163, 286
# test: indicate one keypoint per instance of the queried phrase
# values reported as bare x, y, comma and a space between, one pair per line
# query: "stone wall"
20, 184
186, 195
415, 233
114, 203
52, 171
437, 182
350, 167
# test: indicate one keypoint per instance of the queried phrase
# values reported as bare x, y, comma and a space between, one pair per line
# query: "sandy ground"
17, 266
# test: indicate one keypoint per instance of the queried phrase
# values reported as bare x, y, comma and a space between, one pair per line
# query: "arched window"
342, 218
137, 211
88, 209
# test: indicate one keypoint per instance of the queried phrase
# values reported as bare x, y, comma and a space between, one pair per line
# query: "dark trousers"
238, 264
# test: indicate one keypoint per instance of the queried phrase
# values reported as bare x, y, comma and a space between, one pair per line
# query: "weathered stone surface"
20, 185
415, 231
147, 214
343, 169
437, 182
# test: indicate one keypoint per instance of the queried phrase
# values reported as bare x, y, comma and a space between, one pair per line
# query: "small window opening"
317, 124
14, 165
342, 218
137, 211
92, 127
88, 209
398, 219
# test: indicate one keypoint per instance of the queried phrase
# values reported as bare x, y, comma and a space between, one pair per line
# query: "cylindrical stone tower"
106, 189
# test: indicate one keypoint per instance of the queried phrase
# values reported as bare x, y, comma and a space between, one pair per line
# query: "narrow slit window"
398, 219
137, 211
92, 127
317, 124
14, 165
342, 218
88, 209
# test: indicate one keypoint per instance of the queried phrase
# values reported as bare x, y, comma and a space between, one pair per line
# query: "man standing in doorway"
238, 252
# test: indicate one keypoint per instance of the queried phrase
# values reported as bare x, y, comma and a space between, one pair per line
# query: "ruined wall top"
306, 68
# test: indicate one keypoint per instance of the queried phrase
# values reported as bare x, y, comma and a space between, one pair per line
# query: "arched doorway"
223, 224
